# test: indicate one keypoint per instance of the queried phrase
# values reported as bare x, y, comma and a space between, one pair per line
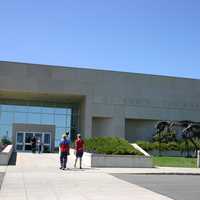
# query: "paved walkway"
38, 177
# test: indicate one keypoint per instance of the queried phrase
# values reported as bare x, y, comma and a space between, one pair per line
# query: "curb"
162, 173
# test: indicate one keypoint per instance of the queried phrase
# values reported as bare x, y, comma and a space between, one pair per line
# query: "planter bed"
6, 154
126, 161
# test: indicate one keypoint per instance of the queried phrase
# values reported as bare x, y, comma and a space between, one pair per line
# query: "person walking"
79, 148
64, 151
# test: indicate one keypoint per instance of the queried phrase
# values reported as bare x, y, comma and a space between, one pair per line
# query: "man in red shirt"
64, 151
79, 148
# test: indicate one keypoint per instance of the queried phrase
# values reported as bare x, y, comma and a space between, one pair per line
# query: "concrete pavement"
38, 177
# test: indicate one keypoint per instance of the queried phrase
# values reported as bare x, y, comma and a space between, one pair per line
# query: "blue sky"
143, 36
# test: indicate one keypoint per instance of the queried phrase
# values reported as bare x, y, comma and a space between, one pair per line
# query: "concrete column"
198, 159
86, 117
118, 121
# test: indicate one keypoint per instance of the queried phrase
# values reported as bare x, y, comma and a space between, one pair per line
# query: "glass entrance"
23, 141
28, 137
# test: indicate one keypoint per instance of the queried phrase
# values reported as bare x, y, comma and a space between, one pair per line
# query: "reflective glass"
19, 147
46, 138
60, 111
34, 109
7, 107
28, 137
6, 130
21, 109
20, 137
47, 119
6, 118
20, 117
33, 118
60, 120
47, 110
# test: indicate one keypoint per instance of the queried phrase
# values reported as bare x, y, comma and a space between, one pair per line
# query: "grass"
163, 161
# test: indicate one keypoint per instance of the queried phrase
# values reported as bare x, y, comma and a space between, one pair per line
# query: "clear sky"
143, 36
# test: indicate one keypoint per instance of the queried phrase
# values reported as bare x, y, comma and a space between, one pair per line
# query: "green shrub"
5, 141
110, 145
170, 146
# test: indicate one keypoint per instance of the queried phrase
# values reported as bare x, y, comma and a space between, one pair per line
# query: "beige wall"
107, 94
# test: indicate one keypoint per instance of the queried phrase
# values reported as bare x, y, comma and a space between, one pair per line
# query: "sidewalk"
38, 177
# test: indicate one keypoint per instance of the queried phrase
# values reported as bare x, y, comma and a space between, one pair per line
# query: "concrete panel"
101, 126
137, 129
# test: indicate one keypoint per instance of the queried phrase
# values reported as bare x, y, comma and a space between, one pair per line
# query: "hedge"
176, 146
110, 145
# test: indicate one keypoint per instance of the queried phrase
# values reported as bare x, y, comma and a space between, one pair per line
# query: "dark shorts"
79, 154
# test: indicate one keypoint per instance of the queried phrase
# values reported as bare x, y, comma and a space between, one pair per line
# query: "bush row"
176, 146
110, 145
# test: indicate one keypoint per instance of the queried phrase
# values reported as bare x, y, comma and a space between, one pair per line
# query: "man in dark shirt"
33, 144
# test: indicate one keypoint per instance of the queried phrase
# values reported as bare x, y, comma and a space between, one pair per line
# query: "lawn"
174, 161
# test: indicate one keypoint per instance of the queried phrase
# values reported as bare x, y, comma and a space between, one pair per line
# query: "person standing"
33, 144
39, 145
64, 151
79, 148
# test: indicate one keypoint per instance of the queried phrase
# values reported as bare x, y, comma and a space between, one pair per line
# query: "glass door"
47, 142
28, 137
19, 141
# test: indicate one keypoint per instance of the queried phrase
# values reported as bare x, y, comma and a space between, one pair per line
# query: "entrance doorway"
23, 141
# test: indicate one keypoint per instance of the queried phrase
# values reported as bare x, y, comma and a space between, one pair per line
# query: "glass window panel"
20, 137
69, 111
60, 132
7, 107
34, 109
20, 118
19, 147
28, 137
6, 131
46, 138
47, 119
60, 111
46, 149
68, 121
28, 147
6, 117
47, 110
33, 118
38, 136
60, 120
21, 108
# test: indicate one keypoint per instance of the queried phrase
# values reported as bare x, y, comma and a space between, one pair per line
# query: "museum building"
45, 101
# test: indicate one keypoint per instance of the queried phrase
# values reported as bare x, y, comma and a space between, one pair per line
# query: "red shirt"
64, 146
79, 145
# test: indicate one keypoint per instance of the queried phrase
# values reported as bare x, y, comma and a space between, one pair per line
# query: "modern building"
46, 100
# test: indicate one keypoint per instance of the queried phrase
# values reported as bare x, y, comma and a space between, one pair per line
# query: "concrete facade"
110, 103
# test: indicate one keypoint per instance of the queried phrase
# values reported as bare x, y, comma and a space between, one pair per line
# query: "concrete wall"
139, 129
103, 94
5, 155
101, 126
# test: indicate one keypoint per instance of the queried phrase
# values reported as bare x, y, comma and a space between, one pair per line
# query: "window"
47, 138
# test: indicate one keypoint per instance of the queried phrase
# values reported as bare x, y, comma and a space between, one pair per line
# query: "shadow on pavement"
1, 178
13, 158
